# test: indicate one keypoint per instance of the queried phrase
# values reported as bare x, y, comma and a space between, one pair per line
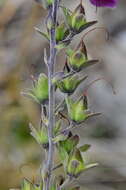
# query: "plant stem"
51, 117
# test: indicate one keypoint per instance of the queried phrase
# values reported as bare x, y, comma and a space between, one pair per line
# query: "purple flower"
104, 3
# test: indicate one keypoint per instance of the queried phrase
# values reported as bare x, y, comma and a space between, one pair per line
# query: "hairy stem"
51, 117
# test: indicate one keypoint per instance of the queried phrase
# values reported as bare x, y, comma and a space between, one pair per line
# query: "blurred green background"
21, 56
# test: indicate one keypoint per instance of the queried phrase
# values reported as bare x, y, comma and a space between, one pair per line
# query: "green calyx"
61, 32
40, 90
68, 85
77, 110
78, 59
65, 147
70, 143
75, 165
76, 20
40, 136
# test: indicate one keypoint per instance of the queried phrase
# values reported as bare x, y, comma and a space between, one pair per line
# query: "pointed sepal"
39, 92
85, 147
26, 185
40, 135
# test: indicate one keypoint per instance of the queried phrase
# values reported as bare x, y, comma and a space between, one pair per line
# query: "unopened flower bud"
78, 21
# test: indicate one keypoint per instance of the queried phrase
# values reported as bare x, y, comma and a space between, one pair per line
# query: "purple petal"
104, 3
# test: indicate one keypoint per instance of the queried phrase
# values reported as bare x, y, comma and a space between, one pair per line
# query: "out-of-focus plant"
50, 134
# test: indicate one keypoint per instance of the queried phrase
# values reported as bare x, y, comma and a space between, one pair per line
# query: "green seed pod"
75, 165
40, 90
61, 32
40, 136
70, 143
43, 137
78, 59
69, 84
76, 110
76, 20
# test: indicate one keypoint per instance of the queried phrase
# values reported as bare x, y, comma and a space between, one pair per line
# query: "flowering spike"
50, 134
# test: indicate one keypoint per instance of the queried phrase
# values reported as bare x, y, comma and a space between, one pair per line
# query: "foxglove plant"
51, 135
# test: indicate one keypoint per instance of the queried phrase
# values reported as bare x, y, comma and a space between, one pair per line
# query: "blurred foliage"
101, 131
18, 45
21, 56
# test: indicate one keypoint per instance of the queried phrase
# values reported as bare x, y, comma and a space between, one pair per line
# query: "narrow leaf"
84, 148
86, 25
91, 165
42, 33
